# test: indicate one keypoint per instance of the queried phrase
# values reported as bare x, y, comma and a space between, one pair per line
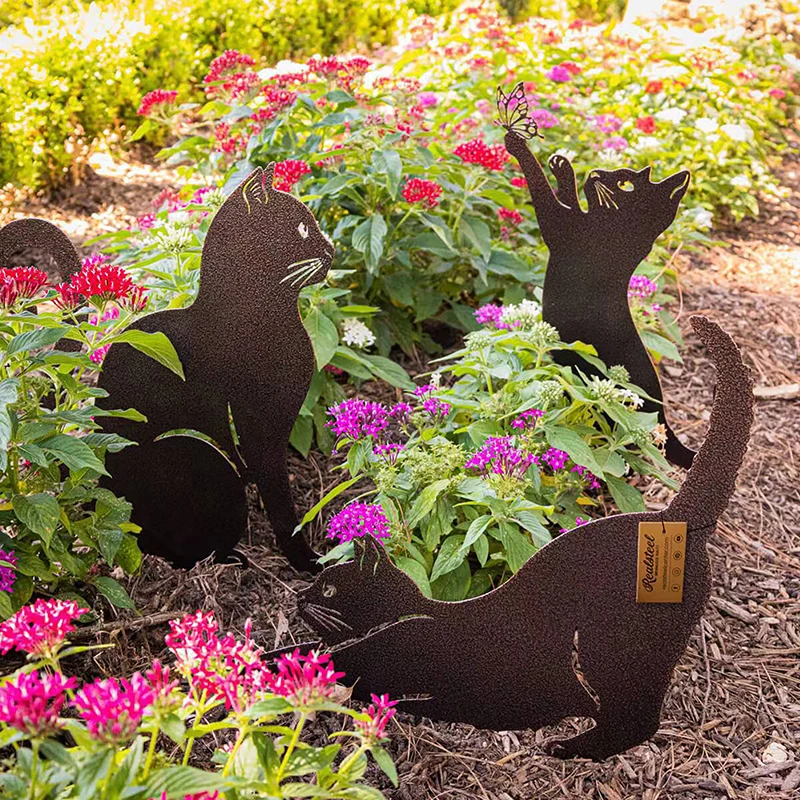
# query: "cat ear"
676, 186
253, 190
269, 176
645, 173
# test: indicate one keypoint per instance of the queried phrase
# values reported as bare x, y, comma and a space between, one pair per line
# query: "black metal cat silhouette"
38, 234
248, 363
594, 253
563, 637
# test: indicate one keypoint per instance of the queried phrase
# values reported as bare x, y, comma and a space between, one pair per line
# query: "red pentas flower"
136, 301
28, 281
519, 182
288, 173
100, 281
67, 298
230, 61
113, 709
155, 102
654, 87
646, 124
418, 190
40, 628
509, 215
32, 702
476, 151
380, 711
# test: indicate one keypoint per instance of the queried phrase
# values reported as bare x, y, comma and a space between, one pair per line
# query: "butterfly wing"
513, 113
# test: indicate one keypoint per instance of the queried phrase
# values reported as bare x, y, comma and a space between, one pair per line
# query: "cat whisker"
304, 269
318, 620
331, 617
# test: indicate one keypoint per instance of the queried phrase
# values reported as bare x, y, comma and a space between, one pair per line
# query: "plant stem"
151, 751
34, 764
237, 744
290, 749
198, 716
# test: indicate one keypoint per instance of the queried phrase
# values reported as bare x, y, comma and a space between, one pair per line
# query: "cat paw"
585, 745
559, 165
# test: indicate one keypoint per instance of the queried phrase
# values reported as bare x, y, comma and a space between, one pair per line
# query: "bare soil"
731, 722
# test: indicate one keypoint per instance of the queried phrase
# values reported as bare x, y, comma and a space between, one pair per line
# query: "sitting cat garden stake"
594, 253
563, 637
248, 363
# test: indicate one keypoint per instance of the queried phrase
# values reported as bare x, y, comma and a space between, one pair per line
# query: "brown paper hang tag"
661, 560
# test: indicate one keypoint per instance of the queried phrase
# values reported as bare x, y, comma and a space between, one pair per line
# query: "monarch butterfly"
513, 110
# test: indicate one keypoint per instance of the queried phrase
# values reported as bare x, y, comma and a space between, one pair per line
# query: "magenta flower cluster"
304, 679
7, 574
592, 481
356, 419
641, 286
113, 709
500, 456
607, 123
556, 459
39, 628
357, 520
389, 452
527, 419
380, 711
490, 314
32, 702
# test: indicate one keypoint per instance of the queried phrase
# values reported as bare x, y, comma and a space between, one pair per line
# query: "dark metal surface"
593, 255
23, 235
505, 660
243, 348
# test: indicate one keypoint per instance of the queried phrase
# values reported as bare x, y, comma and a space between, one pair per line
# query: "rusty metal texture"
565, 635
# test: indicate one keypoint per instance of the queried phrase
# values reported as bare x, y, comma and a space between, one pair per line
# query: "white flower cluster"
174, 238
608, 392
701, 217
523, 315
356, 334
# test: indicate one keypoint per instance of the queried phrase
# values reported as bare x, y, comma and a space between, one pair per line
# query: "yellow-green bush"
76, 76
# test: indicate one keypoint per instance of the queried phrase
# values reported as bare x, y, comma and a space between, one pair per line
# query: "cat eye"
626, 186
302, 229
328, 590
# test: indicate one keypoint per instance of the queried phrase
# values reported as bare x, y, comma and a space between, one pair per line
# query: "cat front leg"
565, 178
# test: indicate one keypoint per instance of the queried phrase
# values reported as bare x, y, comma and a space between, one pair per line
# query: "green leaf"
388, 162
532, 523
566, 439
39, 512
33, 340
390, 371
73, 452
501, 198
323, 334
425, 501
416, 572
517, 546
93, 770
384, 761
451, 555
8, 396
628, 498
306, 760
475, 530
477, 233
177, 782
658, 344
190, 433
368, 239
454, 585
156, 345
114, 592
312, 513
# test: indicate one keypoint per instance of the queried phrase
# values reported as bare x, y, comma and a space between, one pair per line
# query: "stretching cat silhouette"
593, 255
505, 660
247, 357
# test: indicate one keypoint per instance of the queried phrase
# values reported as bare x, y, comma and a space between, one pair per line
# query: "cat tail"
38, 234
712, 478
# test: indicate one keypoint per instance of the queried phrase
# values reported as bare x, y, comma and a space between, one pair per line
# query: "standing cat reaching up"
593, 255
248, 363
522, 655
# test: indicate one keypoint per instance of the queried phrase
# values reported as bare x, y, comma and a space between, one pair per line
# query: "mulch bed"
736, 692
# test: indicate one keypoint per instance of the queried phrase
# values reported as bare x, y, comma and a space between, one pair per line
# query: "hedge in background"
78, 76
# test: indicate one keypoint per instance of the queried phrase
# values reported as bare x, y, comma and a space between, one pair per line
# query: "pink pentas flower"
156, 102
578, 522
7, 574
230, 61
113, 709
31, 702
476, 151
388, 452
435, 408
400, 411
607, 123
136, 301
159, 678
527, 419
499, 455
544, 118
40, 628
778, 94
380, 711
356, 419
357, 520
304, 679
97, 355
418, 190
146, 222
490, 314
617, 143
427, 99
641, 286
288, 173
556, 459
558, 74
591, 480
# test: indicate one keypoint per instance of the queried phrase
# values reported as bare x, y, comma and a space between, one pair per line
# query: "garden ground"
730, 725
